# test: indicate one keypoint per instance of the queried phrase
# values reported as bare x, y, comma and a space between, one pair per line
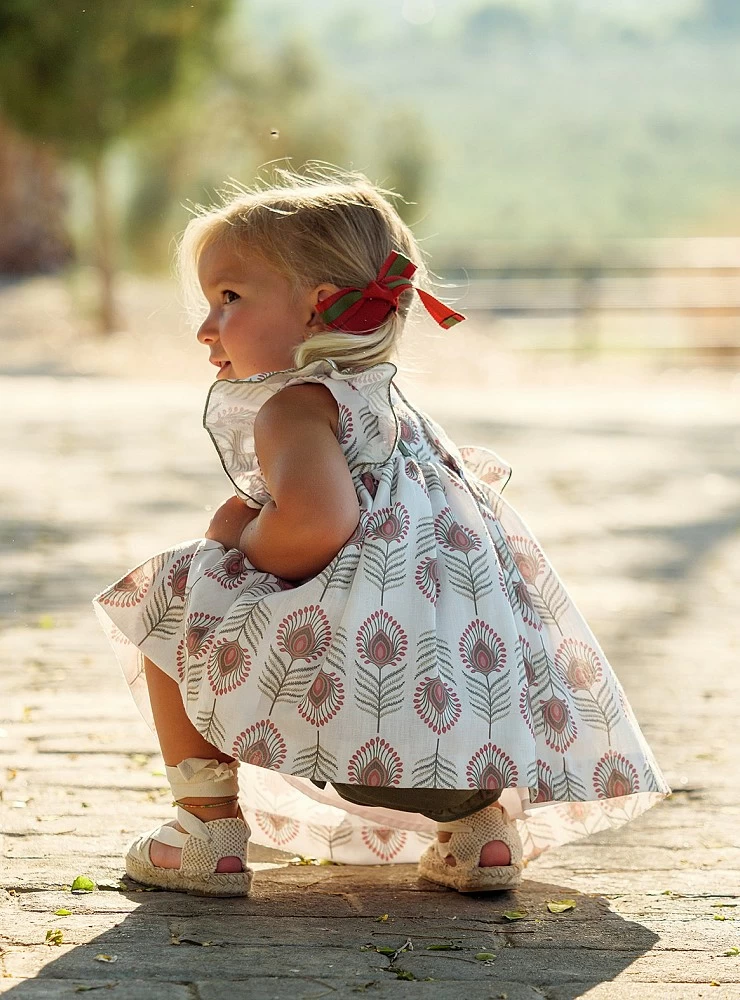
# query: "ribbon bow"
364, 310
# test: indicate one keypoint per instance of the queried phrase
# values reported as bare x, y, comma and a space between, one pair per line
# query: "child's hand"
229, 521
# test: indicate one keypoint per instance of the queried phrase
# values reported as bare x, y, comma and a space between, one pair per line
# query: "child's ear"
318, 294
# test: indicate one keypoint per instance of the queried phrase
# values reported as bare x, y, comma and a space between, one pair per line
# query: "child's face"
255, 319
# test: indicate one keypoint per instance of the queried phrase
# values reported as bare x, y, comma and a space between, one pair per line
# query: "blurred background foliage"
545, 120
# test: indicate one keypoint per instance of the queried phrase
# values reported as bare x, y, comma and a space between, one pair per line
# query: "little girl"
367, 633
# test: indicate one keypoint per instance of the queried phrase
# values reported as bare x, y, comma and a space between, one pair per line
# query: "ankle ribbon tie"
198, 777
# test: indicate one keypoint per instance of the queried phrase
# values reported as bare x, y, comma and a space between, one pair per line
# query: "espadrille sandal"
469, 836
204, 844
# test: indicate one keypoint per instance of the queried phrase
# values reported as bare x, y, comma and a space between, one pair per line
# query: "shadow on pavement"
308, 932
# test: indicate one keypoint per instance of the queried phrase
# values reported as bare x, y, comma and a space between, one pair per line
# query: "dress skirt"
438, 649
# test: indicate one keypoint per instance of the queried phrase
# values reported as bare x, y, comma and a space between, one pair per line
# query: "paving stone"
46, 988
644, 991
142, 959
387, 988
80, 928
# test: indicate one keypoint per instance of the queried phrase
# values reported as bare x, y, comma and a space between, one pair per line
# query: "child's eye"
227, 296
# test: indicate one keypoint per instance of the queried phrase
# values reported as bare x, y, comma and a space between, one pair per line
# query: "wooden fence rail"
695, 280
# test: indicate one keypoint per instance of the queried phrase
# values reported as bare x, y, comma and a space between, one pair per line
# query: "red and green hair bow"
364, 310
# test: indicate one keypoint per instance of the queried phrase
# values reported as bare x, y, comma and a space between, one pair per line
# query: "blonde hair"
321, 225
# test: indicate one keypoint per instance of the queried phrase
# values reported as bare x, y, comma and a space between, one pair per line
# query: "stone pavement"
631, 483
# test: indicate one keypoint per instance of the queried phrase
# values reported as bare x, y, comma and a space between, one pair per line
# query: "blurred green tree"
721, 16
261, 104
33, 236
490, 24
407, 155
265, 102
293, 109
288, 106
82, 77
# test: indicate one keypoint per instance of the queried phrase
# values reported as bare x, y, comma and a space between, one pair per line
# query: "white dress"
438, 649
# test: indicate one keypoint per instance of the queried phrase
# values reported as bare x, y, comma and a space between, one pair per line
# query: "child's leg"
178, 737
178, 740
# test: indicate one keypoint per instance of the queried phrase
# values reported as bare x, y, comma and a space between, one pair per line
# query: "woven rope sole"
493, 879
225, 884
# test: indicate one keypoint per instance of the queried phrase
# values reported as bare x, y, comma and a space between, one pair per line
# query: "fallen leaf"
83, 883
45, 621
62, 912
514, 915
561, 905
732, 952
301, 859
382, 919
485, 956
54, 936
403, 974
106, 958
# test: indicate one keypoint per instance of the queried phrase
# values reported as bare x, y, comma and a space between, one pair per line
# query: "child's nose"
207, 331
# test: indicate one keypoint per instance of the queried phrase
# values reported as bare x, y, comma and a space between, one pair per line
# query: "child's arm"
314, 507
